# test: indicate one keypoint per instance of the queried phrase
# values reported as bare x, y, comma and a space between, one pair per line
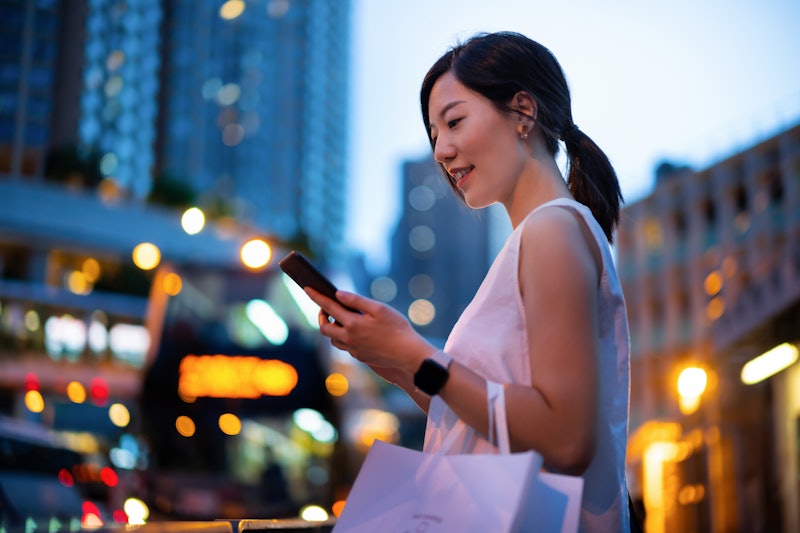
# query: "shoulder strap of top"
583, 210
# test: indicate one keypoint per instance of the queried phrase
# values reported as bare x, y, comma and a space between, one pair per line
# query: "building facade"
710, 266
30, 53
254, 109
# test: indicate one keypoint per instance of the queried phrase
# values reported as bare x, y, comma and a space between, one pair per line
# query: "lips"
460, 175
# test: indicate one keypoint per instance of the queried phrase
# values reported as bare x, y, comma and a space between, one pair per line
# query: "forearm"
422, 400
564, 440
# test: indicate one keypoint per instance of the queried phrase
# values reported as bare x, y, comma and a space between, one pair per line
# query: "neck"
540, 182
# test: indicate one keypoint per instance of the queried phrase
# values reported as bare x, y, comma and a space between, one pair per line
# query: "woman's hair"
498, 66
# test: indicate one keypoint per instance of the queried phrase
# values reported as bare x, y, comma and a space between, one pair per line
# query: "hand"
379, 336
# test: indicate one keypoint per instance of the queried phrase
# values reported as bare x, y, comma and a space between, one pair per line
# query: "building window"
709, 212
740, 199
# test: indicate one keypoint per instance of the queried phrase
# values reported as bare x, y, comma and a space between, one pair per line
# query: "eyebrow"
445, 109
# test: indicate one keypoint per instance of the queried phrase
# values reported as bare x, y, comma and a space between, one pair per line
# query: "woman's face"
477, 144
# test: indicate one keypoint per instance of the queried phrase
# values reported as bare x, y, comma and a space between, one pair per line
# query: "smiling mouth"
460, 175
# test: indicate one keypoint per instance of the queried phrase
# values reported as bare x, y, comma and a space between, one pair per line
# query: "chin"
474, 202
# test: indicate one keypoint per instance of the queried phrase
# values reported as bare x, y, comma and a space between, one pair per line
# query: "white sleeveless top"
490, 338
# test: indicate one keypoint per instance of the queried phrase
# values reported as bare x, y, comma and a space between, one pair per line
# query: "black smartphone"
306, 274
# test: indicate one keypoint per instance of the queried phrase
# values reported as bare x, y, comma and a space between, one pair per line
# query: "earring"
523, 135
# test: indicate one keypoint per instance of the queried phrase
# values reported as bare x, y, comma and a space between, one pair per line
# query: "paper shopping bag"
399, 490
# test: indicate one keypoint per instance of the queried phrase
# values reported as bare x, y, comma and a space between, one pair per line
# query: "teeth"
460, 174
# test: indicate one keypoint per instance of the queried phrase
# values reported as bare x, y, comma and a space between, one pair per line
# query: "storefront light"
769, 363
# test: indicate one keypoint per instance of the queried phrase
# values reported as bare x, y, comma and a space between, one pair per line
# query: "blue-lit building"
29, 51
441, 250
80, 74
254, 109
119, 89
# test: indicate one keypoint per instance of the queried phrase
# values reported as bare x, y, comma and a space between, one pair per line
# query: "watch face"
431, 377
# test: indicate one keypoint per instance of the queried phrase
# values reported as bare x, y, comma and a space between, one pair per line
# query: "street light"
692, 383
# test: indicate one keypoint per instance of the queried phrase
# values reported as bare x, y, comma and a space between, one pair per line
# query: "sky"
689, 81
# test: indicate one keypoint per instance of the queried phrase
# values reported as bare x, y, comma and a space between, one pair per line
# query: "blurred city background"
157, 158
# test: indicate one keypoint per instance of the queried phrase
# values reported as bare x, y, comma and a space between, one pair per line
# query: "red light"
120, 517
65, 477
98, 391
31, 381
90, 508
109, 477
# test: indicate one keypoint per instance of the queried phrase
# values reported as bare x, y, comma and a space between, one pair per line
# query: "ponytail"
592, 180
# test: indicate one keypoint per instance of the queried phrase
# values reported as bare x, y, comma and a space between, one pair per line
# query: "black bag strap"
636, 521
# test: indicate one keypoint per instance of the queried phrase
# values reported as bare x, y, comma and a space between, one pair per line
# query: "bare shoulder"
557, 237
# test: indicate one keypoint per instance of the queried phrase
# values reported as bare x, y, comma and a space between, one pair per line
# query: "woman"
495, 108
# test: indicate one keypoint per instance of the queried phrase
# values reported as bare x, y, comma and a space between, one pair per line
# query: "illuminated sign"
222, 376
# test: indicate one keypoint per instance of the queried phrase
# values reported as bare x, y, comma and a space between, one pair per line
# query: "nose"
443, 151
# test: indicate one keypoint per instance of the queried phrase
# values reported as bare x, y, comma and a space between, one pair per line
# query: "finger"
327, 305
366, 305
333, 330
323, 318
340, 345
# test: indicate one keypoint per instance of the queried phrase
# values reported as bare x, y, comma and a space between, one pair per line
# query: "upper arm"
559, 279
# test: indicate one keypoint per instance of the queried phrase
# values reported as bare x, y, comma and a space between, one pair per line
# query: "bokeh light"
90, 269
256, 253
137, 511
76, 392
313, 513
421, 312
119, 415
193, 221
185, 427
172, 284
231, 9
34, 401
337, 384
146, 256
230, 424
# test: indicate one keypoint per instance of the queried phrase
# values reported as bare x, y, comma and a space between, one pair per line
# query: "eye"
453, 123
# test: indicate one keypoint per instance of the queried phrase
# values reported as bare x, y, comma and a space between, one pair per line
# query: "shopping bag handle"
498, 423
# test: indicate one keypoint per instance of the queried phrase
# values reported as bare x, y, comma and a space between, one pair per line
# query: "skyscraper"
441, 251
254, 109
118, 99
83, 74
28, 56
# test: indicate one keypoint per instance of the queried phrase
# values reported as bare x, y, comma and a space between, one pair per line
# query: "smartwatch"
433, 373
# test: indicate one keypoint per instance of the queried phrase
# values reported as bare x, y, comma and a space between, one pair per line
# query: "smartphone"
306, 274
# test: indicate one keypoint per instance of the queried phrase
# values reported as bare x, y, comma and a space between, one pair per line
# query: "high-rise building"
29, 84
118, 98
254, 109
84, 75
710, 266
